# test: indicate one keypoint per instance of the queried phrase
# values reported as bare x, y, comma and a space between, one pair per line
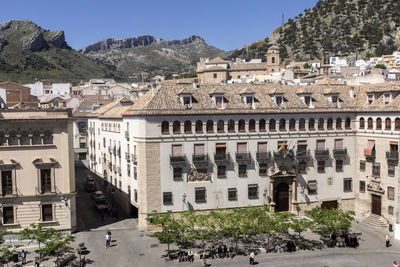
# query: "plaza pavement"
132, 247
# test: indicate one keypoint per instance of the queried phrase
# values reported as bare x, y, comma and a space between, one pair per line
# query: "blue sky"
226, 24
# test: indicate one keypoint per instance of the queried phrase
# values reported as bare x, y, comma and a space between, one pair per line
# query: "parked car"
97, 195
90, 187
89, 179
102, 205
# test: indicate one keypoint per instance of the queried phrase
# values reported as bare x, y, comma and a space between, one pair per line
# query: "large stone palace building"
37, 169
201, 147
218, 70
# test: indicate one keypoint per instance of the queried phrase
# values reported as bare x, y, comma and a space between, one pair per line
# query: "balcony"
263, 156
320, 153
177, 159
392, 156
127, 157
127, 135
46, 189
222, 157
200, 158
340, 152
302, 154
243, 157
9, 192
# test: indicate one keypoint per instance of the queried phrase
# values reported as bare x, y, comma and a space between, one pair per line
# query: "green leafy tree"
58, 244
300, 226
39, 234
380, 66
169, 228
329, 221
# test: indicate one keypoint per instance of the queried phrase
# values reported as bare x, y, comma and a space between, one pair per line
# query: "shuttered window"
241, 148
390, 193
320, 144
338, 143
262, 147
177, 150
312, 187
199, 149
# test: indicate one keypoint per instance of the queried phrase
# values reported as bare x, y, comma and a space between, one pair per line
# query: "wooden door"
329, 204
376, 204
282, 197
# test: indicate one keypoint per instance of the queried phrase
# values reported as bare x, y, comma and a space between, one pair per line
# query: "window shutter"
262, 147
199, 149
320, 144
177, 150
339, 143
242, 148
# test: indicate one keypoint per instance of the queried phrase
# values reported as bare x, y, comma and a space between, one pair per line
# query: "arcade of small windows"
379, 124
111, 127
26, 138
252, 126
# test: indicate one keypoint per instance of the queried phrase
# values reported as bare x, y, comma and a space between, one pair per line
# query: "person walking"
387, 241
252, 257
23, 257
395, 264
108, 239
36, 263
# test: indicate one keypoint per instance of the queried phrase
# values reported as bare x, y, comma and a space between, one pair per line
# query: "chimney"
153, 89
351, 92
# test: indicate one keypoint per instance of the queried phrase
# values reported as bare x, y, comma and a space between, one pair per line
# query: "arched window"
188, 127
25, 140
378, 124
321, 124
370, 124
242, 126
347, 124
199, 126
231, 126
302, 124
388, 124
311, 124
397, 124
329, 124
210, 126
165, 127
48, 137
176, 127
272, 125
273, 60
338, 124
220, 126
282, 125
252, 125
261, 125
292, 125
362, 123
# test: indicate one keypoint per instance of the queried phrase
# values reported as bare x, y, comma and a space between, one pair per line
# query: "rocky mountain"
359, 28
152, 56
29, 53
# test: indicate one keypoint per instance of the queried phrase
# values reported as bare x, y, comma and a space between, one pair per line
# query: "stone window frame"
363, 165
221, 174
376, 169
232, 197
135, 195
14, 207
263, 169
168, 199
389, 197
53, 212
252, 191
242, 170
346, 187
321, 169
200, 194
339, 165
13, 178
362, 186
175, 173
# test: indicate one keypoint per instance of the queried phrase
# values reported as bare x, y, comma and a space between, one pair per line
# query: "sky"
225, 24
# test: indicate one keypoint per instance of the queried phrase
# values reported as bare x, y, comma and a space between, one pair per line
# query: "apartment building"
37, 169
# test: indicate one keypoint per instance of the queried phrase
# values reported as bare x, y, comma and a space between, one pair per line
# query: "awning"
370, 147
312, 185
220, 145
394, 143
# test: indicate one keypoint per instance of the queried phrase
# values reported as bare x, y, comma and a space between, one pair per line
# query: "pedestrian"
190, 256
36, 263
225, 250
395, 264
252, 257
23, 256
180, 255
108, 239
204, 259
387, 241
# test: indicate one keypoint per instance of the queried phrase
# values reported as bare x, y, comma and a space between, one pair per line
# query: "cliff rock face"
119, 43
58, 40
4, 26
185, 41
35, 42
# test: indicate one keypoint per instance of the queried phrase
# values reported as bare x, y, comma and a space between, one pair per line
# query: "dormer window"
371, 99
249, 101
307, 99
279, 100
186, 101
219, 101
335, 100
387, 97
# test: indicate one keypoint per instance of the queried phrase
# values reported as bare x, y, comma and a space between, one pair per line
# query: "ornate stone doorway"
376, 204
282, 197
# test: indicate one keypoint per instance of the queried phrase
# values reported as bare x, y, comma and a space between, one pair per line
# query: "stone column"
271, 192
294, 192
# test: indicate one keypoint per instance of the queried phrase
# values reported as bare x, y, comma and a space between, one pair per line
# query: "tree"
300, 226
39, 234
58, 244
380, 66
169, 228
201, 227
80, 249
7, 252
306, 66
329, 221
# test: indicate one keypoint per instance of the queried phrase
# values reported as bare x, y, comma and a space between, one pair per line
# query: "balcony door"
6, 182
45, 180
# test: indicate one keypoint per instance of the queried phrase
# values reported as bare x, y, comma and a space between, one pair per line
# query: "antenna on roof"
283, 19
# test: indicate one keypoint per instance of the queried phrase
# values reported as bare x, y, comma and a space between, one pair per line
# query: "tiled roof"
249, 66
217, 60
